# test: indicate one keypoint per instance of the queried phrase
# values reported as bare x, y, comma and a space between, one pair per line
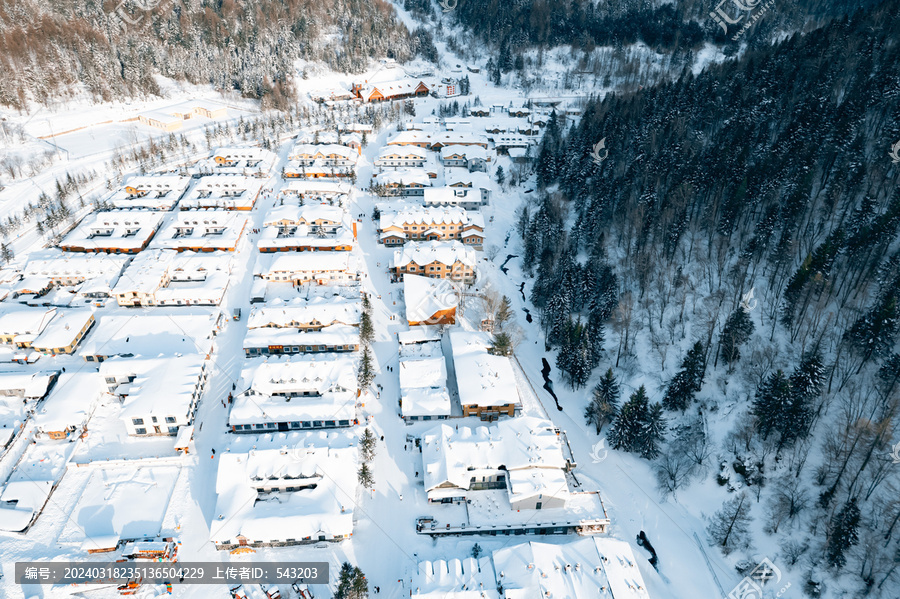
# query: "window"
137, 421
344, 422
110, 379
271, 425
170, 419
153, 418
259, 426
140, 431
173, 430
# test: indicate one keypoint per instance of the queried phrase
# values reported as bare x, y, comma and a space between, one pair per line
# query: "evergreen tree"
500, 175
502, 345
365, 476
772, 404
367, 445
686, 382
352, 583
504, 313
604, 403
366, 373
366, 330
843, 534
6, 253
737, 330
638, 427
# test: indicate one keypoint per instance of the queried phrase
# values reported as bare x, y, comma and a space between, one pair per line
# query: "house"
460, 462
226, 192
151, 335
485, 383
169, 278
66, 411
435, 259
20, 326
305, 154
269, 496
331, 191
246, 161
360, 128
429, 301
423, 382
117, 232
599, 567
460, 197
28, 386
403, 182
308, 227
159, 394
283, 393
467, 578
435, 140
519, 111
431, 224
172, 117
202, 231
480, 111
390, 90
323, 268
287, 340
67, 269
402, 157
307, 314
150, 192
64, 332
502, 143
475, 158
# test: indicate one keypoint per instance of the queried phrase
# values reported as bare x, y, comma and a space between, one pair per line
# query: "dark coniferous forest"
747, 220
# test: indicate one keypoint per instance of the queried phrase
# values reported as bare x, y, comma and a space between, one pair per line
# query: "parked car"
302, 590
236, 314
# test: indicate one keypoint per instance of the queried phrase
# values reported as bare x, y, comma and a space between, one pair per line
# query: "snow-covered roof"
316, 311
523, 443
71, 402
451, 195
308, 151
423, 387
428, 252
150, 335
307, 262
418, 335
466, 152
19, 320
430, 216
331, 336
126, 230
306, 214
407, 176
206, 229
63, 329
168, 276
223, 191
253, 501
402, 153
316, 188
597, 567
296, 388
431, 138
465, 578
482, 379
155, 191
59, 265
424, 297
31, 385
161, 387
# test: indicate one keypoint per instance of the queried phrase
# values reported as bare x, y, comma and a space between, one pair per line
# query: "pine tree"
604, 403
504, 312
366, 330
6, 253
352, 583
638, 427
365, 476
500, 175
729, 526
737, 330
366, 373
367, 445
502, 345
686, 382
772, 404
843, 534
